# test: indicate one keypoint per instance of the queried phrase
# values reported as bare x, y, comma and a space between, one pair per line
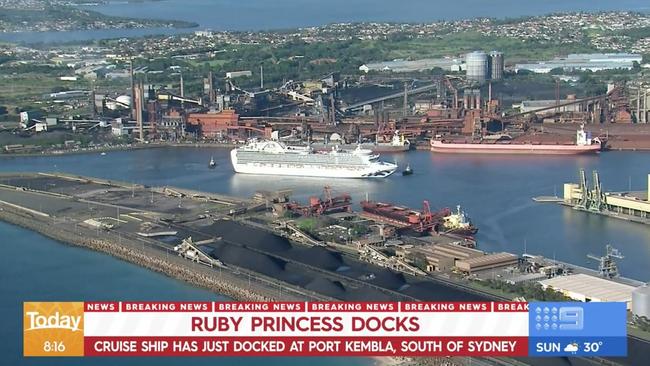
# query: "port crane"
593, 199
318, 206
606, 264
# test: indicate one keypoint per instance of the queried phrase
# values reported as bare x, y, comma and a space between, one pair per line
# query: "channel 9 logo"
559, 318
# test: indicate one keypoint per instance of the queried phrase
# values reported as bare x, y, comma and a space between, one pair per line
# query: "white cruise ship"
276, 158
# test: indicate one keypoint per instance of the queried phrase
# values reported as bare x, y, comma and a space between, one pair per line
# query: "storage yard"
161, 219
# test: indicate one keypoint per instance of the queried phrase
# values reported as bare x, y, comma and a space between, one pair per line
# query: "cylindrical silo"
641, 301
496, 65
477, 66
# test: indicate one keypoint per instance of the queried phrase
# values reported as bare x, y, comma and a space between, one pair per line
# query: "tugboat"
408, 170
212, 163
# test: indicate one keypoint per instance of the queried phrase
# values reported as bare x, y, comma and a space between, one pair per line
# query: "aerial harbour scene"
151, 152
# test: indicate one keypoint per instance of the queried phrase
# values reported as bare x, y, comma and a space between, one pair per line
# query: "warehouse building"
238, 74
586, 288
489, 261
532, 105
447, 64
584, 62
440, 257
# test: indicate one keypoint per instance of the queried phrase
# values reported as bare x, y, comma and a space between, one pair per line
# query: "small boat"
408, 170
212, 163
103, 154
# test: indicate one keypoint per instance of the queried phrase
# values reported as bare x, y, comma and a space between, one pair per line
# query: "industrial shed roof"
592, 287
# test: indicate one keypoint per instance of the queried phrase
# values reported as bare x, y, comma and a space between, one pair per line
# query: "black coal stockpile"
318, 257
368, 294
387, 279
242, 257
240, 245
327, 287
248, 236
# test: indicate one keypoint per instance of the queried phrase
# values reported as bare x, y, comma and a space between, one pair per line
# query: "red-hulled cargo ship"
404, 217
584, 144
443, 221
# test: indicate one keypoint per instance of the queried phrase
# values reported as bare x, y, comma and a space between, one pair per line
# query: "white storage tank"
477, 66
124, 101
496, 65
641, 301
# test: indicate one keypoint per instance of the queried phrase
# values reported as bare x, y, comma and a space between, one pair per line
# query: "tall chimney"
490, 92
406, 101
133, 110
182, 86
262, 77
211, 83
333, 112
138, 110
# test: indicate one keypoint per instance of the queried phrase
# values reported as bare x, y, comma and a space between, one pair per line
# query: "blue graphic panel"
577, 329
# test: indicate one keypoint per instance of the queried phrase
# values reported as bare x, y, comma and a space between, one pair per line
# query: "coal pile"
241, 257
388, 279
368, 294
248, 236
318, 257
327, 287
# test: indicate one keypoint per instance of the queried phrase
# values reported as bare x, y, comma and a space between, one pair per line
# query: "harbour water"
496, 191
263, 14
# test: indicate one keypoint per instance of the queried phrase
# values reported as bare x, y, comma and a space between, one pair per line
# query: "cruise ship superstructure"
276, 158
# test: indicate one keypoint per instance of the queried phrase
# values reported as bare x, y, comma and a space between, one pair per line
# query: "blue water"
495, 191
282, 14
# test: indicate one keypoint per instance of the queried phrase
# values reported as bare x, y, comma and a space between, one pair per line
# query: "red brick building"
214, 124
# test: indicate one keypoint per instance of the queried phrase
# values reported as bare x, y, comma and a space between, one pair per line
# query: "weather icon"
571, 347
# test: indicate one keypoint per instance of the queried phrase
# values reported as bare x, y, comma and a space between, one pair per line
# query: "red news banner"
304, 329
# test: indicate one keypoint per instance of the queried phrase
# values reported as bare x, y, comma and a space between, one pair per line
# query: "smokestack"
406, 101
211, 84
138, 110
182, 86
490, 92
133, 110
262, 77
333, 112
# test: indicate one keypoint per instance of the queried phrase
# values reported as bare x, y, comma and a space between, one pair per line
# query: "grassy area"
454, 44
25, 91
496, 292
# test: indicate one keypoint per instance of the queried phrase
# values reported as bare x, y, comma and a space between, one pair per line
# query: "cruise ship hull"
498, 148
375, 170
